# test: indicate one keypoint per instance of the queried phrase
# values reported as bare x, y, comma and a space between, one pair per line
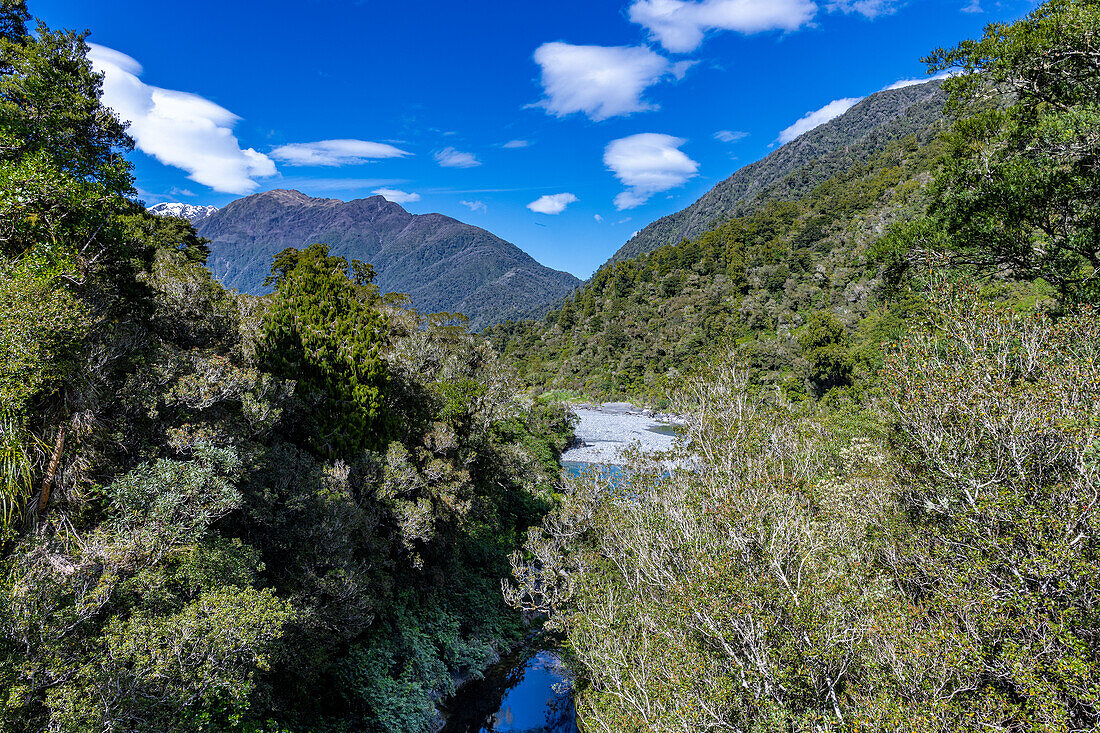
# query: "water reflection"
526, 693
674, 430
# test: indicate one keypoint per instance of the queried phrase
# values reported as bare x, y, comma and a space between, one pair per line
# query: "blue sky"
563, 126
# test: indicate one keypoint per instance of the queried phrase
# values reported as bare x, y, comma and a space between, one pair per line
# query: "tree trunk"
51, 470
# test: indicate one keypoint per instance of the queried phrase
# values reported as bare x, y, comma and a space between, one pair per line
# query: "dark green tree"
13, 19
323, 334
567, 315
825, 346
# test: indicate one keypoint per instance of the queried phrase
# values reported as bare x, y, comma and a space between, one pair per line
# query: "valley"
815, 453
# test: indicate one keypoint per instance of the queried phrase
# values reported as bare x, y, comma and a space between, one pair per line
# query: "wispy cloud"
513, 144
179, 129
818, 117
680, 26
451, 158
868, 8
325, 185
646, 164
974, 6
335, 152
730, 136
902, 83
552, 204
601, 81
396, 196
474, 205
598, 218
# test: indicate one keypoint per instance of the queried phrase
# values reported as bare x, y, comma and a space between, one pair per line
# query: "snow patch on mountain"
183, 211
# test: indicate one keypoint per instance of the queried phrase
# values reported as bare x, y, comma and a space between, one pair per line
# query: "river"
529, 691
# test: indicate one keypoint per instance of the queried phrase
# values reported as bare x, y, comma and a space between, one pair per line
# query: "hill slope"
773, 282
813, 157
443, 264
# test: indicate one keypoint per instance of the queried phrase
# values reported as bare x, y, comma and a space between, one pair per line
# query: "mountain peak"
442, 263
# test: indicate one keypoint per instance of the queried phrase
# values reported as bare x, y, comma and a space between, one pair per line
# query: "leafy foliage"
217, 507
761, 281
808, 574
1019, 189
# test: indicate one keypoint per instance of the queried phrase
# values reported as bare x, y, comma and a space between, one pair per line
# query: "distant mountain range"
442, 263
446, 265
796, 168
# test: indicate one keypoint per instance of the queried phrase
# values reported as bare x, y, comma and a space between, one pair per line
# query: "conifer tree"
322, 333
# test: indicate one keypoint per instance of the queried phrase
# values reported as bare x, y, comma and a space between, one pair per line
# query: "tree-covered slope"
790, 284
441, 263
794, 169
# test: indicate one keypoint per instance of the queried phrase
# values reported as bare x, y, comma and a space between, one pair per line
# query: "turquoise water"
576, 468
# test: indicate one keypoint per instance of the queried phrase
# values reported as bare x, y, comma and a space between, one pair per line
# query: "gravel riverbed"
607, 430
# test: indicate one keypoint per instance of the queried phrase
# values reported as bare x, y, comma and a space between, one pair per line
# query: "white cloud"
730, 136
679, 25
601, 81
397, 197
647, 163
902, 83
335, 152
179, 129
813, 119
451, 158
474, 205
868, 8
516, 144
552, 204
974, 6
597, 217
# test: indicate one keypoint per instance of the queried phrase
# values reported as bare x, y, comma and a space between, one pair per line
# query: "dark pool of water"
528, 692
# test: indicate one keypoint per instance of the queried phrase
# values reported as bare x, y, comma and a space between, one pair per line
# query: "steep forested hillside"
794, 169
441, 263
775, 283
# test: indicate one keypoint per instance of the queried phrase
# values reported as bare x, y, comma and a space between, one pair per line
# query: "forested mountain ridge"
891, 519
794, 169
440, 262
318, 510
762, 280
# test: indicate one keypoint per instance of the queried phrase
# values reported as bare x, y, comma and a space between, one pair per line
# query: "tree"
825, 346
1019, 188
321, 333
995, 431
66, 265
13, 19
567, 315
